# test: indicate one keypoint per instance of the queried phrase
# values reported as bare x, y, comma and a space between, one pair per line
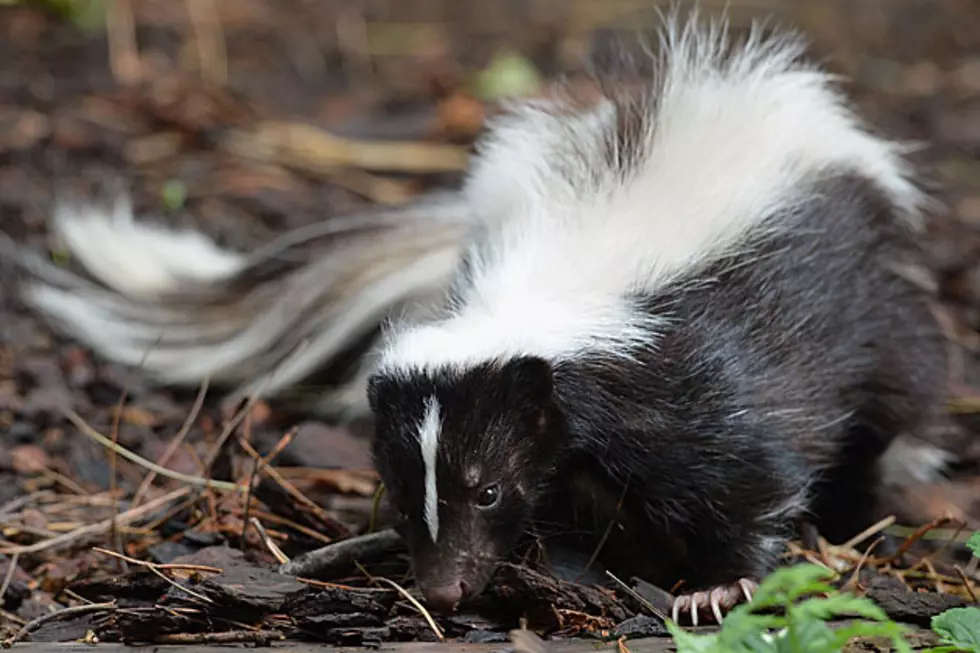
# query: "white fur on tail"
140, 258
163, 307
730, 141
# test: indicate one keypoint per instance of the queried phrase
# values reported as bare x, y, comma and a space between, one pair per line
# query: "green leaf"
959, 626
811, 636
974, 544
868, 629
174, 194
61, 257
509, 74
789, 583
840, 605
690, 643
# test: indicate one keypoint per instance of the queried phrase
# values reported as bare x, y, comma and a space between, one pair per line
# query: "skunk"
682, 284
687, 285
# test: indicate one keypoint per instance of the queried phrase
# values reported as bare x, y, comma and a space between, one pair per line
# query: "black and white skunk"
685, 285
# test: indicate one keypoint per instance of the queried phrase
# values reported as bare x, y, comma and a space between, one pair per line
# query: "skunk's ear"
529, 379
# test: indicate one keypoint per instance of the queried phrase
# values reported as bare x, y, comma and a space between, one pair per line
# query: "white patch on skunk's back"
429, 430
579, 214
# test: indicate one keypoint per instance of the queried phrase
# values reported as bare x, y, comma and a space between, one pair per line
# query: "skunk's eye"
489, 496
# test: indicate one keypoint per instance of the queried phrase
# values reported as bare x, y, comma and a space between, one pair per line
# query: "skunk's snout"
445, 598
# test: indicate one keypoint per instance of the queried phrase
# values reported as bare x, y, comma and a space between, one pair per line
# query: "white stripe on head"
429, 431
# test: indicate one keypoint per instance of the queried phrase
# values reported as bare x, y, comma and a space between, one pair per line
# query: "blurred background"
244, 118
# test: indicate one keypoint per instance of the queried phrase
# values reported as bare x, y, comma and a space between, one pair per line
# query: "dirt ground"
151, 100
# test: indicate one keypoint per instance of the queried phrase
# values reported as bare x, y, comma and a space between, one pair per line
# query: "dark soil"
161, 126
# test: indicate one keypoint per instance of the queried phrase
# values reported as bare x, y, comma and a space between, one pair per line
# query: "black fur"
782, 374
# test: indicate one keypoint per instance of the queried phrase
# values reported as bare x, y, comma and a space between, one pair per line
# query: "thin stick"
113, 471
67, 612
305, 530
153, 568
286, 485
913, 538
966, 583
248, 502
637, 596
247, 436
228, 430
269, 544
167, 566
121, 31
211, 51
99, 528
853, 580
258, 637
284, 442
76, 419
178, 439
411, 599
9, 575
868, 532
18, 503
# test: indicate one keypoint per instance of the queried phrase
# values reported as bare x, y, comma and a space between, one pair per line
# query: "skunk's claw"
716, 601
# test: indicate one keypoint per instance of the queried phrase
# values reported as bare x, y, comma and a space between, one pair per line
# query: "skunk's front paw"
716, 601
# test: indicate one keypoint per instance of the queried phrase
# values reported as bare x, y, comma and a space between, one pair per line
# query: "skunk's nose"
445, 598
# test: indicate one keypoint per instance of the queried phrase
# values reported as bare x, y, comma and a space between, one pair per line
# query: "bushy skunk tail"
184, 310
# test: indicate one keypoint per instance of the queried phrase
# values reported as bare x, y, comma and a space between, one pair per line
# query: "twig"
143, 462
259, 637
269, 544
211, 51
286, 485
113, 471
966, 583
67, 612
57, 477
175, 443
128, 517
247, 436
167, 566
121, 32
343, 554
309, 148
323, 583
18, 503
636, 595
75, 596
912, 539
418, 606
10, 616
153, 568
853, 580
874, 529
284, 442
230, 427
305, 530
14, 559
248, 503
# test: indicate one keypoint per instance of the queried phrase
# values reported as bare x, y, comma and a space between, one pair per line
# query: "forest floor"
199, 110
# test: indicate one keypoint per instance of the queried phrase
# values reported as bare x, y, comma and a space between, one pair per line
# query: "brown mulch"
189, 552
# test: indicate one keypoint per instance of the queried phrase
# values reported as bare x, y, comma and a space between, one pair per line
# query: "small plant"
807, 602
959, 628
804, 603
